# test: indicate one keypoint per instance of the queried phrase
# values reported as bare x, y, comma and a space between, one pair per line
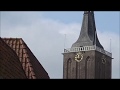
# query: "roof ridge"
12, 53
10, 38
26, 57
25, 47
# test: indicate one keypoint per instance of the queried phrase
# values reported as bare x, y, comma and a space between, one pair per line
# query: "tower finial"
86, 12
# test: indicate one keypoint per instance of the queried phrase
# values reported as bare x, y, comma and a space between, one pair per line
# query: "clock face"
103, 59
78, 57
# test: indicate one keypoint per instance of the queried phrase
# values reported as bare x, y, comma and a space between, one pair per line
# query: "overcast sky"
44, 33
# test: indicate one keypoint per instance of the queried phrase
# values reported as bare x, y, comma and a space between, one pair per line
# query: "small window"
88, 58
69, 60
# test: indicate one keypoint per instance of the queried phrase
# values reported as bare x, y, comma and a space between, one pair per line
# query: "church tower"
87, 59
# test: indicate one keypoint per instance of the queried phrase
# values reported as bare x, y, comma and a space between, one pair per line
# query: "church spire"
88, 35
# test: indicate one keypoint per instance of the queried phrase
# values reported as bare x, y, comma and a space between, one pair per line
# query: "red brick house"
30, 66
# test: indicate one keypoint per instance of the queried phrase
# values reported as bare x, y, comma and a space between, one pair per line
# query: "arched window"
69, 60
69, 68
87, 67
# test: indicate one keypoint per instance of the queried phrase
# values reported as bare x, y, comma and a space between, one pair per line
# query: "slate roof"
88, 33
10, 66
32, 67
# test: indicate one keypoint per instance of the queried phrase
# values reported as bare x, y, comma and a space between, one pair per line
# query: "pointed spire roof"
88, 34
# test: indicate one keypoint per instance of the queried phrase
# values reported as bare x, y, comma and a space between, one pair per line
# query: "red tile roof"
10, 66
32, 67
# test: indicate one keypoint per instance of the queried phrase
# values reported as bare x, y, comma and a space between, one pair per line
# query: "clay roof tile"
30, 64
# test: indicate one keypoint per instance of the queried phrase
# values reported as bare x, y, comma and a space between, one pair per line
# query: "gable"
32, 67
10, 66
